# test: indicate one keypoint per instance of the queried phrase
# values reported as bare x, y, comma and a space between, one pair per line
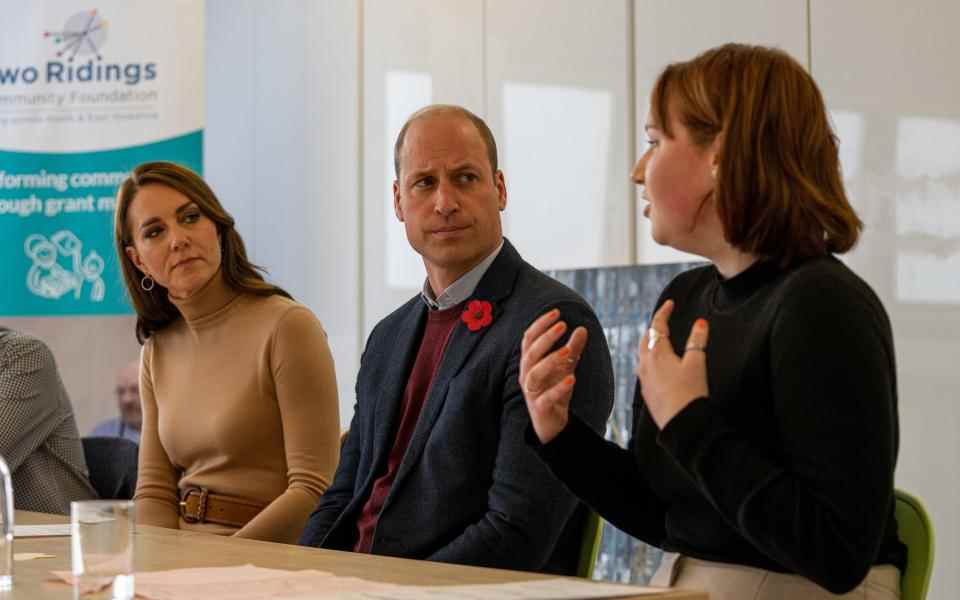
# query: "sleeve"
156, 498
606, 477
528, 507
340, 493
306, 389
614, 485
30, 392
818, 504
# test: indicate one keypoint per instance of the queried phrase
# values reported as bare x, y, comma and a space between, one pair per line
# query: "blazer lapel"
495, 287
399, 359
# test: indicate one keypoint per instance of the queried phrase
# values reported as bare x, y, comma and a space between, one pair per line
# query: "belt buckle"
201, 514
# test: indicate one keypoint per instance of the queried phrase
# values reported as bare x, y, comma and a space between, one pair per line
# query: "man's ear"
134, 257
501, 184
397, 209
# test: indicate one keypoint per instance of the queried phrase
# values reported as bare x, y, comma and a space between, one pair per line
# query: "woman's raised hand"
671, 382
546, 377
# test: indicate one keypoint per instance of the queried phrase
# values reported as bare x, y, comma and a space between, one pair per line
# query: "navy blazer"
468, 490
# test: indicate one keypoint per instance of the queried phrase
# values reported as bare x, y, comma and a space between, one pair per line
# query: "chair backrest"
112, 462
916, 532
592, 531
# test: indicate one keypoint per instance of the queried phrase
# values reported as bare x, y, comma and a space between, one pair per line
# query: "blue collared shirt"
115, 427
462, 288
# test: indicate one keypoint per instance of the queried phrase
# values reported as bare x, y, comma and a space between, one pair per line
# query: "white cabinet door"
557, 98
679, 30
415, 53
889, 75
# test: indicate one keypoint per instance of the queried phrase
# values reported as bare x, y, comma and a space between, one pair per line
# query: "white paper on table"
248, 583
21, 556
268, 583
90, 585
54, 530
540, 589
256, 583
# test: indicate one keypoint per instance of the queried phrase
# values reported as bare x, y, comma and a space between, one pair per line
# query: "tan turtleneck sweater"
239, 397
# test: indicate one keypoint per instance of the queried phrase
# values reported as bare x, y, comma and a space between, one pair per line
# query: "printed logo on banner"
84, 33
74, 120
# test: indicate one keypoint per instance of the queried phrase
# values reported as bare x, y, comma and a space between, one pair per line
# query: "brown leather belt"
199, 505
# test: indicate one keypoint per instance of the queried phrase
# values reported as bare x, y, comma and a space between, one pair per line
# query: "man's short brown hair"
779, 191
485, 134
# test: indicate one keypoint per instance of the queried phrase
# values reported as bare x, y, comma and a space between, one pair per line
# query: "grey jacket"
38, 433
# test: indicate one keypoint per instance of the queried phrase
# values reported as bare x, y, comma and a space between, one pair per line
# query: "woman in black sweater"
765, 426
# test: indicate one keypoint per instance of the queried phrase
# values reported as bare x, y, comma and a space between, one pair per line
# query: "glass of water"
6, 527
101, 544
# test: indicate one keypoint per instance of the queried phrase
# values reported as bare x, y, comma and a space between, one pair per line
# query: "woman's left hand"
671, 382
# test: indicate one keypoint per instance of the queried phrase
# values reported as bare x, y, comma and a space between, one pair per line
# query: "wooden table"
158, 549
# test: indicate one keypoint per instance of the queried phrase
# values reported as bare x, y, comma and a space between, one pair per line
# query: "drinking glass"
6, 527
101, 543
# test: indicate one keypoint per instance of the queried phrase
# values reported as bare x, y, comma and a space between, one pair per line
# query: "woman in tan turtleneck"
240, 412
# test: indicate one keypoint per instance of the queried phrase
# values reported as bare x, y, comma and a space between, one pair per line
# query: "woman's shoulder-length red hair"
779, 191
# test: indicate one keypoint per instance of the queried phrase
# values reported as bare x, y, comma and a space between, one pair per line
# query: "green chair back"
916, 532
590, 546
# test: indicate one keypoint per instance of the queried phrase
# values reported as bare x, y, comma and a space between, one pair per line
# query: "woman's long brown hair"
154, 309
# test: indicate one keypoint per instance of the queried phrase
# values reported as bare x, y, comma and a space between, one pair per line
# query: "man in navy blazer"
435, 465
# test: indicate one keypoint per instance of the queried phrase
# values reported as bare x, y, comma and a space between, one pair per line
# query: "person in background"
38, 433
127, 424
240, 413
435, 466
765, 429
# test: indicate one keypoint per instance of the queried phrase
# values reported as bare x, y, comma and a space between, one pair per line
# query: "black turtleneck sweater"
788, 464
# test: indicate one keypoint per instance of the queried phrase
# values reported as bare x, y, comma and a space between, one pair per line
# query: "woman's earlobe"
133, 257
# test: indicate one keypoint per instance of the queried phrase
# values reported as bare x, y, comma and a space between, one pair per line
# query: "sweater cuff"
683, 434
562, 449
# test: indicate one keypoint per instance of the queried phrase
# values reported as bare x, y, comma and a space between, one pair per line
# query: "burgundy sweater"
440, 324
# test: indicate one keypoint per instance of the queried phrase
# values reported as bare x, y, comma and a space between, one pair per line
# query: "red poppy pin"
477, 315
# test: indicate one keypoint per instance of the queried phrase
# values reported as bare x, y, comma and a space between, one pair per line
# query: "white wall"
558, 92
896, 103
281, 151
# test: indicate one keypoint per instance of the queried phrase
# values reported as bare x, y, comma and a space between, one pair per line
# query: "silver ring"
653, 336
697, 348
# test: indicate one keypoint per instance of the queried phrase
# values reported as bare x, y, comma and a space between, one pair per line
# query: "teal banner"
57, 255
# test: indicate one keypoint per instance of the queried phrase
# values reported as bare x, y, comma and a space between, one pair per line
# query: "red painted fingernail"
563, 352
700, 324
559, 327
568, 380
